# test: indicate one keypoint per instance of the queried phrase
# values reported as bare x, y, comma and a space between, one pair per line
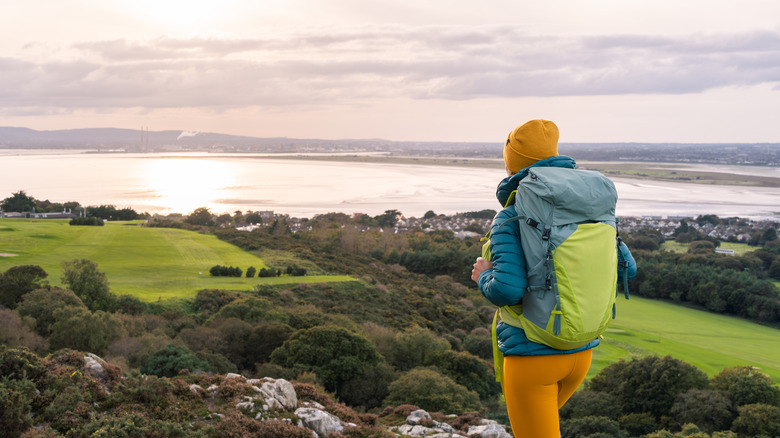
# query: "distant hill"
136, 140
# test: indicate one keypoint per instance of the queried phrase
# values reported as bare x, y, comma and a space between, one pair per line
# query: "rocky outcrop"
264, 398
420, 424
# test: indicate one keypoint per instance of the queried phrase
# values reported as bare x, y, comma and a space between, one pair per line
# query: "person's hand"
479, 266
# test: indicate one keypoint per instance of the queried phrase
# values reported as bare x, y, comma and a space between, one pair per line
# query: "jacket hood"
510, 183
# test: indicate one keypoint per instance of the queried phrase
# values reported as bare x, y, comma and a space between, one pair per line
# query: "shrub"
469, 371
93, 221
169, 361
13, 333
710, 410
746, 385
479, 345
130, 305
335, 354
209, 301
235, 425
587, 403
17, 281
89, 284
432, 391
132, 425
638, 424
648, 384
757, 420
79, 329
250, 272
591, 427
41, 304
16, 397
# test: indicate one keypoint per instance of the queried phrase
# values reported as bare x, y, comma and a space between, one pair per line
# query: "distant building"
724, 251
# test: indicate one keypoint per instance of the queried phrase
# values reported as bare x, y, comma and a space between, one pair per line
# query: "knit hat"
530, 142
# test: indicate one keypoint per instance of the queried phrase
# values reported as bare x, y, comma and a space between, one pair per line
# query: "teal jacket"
506, 282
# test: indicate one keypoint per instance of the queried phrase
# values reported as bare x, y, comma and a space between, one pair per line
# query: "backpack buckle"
546, 234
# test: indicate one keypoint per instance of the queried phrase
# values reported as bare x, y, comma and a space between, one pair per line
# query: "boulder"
279, 394
489, 429
319, 421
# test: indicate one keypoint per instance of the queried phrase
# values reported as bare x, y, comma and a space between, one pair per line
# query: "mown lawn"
706, 340
739, 248
149, 263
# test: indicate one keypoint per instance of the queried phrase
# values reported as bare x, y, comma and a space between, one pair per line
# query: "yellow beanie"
530, 142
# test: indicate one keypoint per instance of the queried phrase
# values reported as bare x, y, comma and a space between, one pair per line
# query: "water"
182, 182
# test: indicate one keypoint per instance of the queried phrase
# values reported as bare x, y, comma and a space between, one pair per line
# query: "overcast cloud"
701, 70
435, 62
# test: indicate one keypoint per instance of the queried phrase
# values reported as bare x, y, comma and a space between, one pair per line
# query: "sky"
696, 71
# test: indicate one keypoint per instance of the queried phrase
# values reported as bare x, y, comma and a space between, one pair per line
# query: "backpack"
569, 238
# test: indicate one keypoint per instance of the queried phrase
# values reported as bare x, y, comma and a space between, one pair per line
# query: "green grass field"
710, 342
149, 263
739, 248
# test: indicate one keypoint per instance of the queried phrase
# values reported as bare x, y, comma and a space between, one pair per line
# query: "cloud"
342, 66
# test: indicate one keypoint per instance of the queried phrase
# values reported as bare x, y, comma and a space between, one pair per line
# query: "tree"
649, 384
79, 329
387, 219
335, 354
416, 347
757, 420
89, 284
710, 410
430, 390
209, 301
18, 202
587, 403
41, 304
251, 309
254, 218
250, 272
746, 385
172, 359
224, 219
129, 305
201, 216
469, 371
266, 337
19, 280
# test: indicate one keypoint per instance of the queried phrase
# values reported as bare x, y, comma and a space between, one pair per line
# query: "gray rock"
490, 430
417, 416
94, 368
196, 389
279, 394
319, 421
234, 376
248, 404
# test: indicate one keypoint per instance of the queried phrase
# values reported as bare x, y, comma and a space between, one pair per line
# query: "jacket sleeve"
625, 254
505, 283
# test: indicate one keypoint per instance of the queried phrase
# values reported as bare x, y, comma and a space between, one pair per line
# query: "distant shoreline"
654, 171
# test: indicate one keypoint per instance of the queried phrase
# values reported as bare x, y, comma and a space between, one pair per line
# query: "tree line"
22, 202
234, 271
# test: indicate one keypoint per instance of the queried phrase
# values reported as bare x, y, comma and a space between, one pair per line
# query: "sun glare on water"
182, 185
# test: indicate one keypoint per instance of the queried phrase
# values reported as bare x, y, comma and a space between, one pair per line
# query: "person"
537, 379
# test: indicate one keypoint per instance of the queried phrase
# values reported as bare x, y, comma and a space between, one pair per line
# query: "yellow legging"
535, 387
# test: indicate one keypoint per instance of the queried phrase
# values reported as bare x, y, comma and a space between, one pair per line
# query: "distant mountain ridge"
136, 140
